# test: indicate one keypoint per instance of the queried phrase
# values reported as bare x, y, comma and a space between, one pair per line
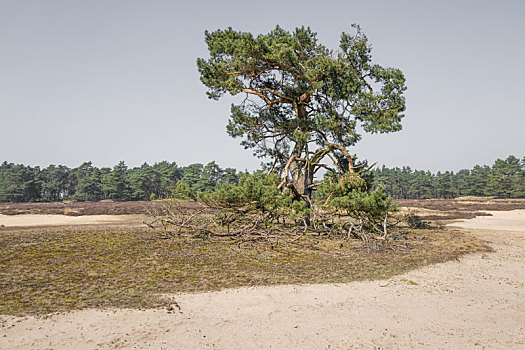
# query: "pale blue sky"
117, 80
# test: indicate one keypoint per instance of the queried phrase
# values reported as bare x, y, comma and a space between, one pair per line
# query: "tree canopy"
304, 103
505, 179
20, 183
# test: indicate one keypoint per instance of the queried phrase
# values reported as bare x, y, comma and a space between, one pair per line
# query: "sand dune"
475, 303
26, 220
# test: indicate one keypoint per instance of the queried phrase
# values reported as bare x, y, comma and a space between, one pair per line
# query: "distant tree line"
21, 183
505, 179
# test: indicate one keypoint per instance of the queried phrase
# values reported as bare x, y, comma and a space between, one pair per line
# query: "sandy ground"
475, 303
26, 220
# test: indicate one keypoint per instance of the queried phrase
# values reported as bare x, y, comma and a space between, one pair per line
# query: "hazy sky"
117, 80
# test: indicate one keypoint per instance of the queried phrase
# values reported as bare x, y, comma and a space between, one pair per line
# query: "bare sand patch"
475, 303
26, 220
498, 220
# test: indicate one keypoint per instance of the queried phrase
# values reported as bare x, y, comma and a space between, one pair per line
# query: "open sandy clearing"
26, 220
499, 220
475, 303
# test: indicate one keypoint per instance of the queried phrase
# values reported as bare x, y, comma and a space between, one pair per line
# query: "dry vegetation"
460, 208
107, 207
50, 269
47, 270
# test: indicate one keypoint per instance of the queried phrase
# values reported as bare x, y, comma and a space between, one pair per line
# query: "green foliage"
505, 179
19, 183
55, 182
239, 61
298, 210
183, 191
414, 221
142, 182
115, 184
89, 182
372, 206
303, 100
349, 194
204, 178
256, 191
339, 185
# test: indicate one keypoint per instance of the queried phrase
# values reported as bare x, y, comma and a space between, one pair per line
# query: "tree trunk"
302, 177
301, 171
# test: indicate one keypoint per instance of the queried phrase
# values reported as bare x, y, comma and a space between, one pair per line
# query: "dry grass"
78, 208
45, 270
460, 208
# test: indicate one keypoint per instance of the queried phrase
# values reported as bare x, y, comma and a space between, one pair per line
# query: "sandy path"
26, 220
475, 303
